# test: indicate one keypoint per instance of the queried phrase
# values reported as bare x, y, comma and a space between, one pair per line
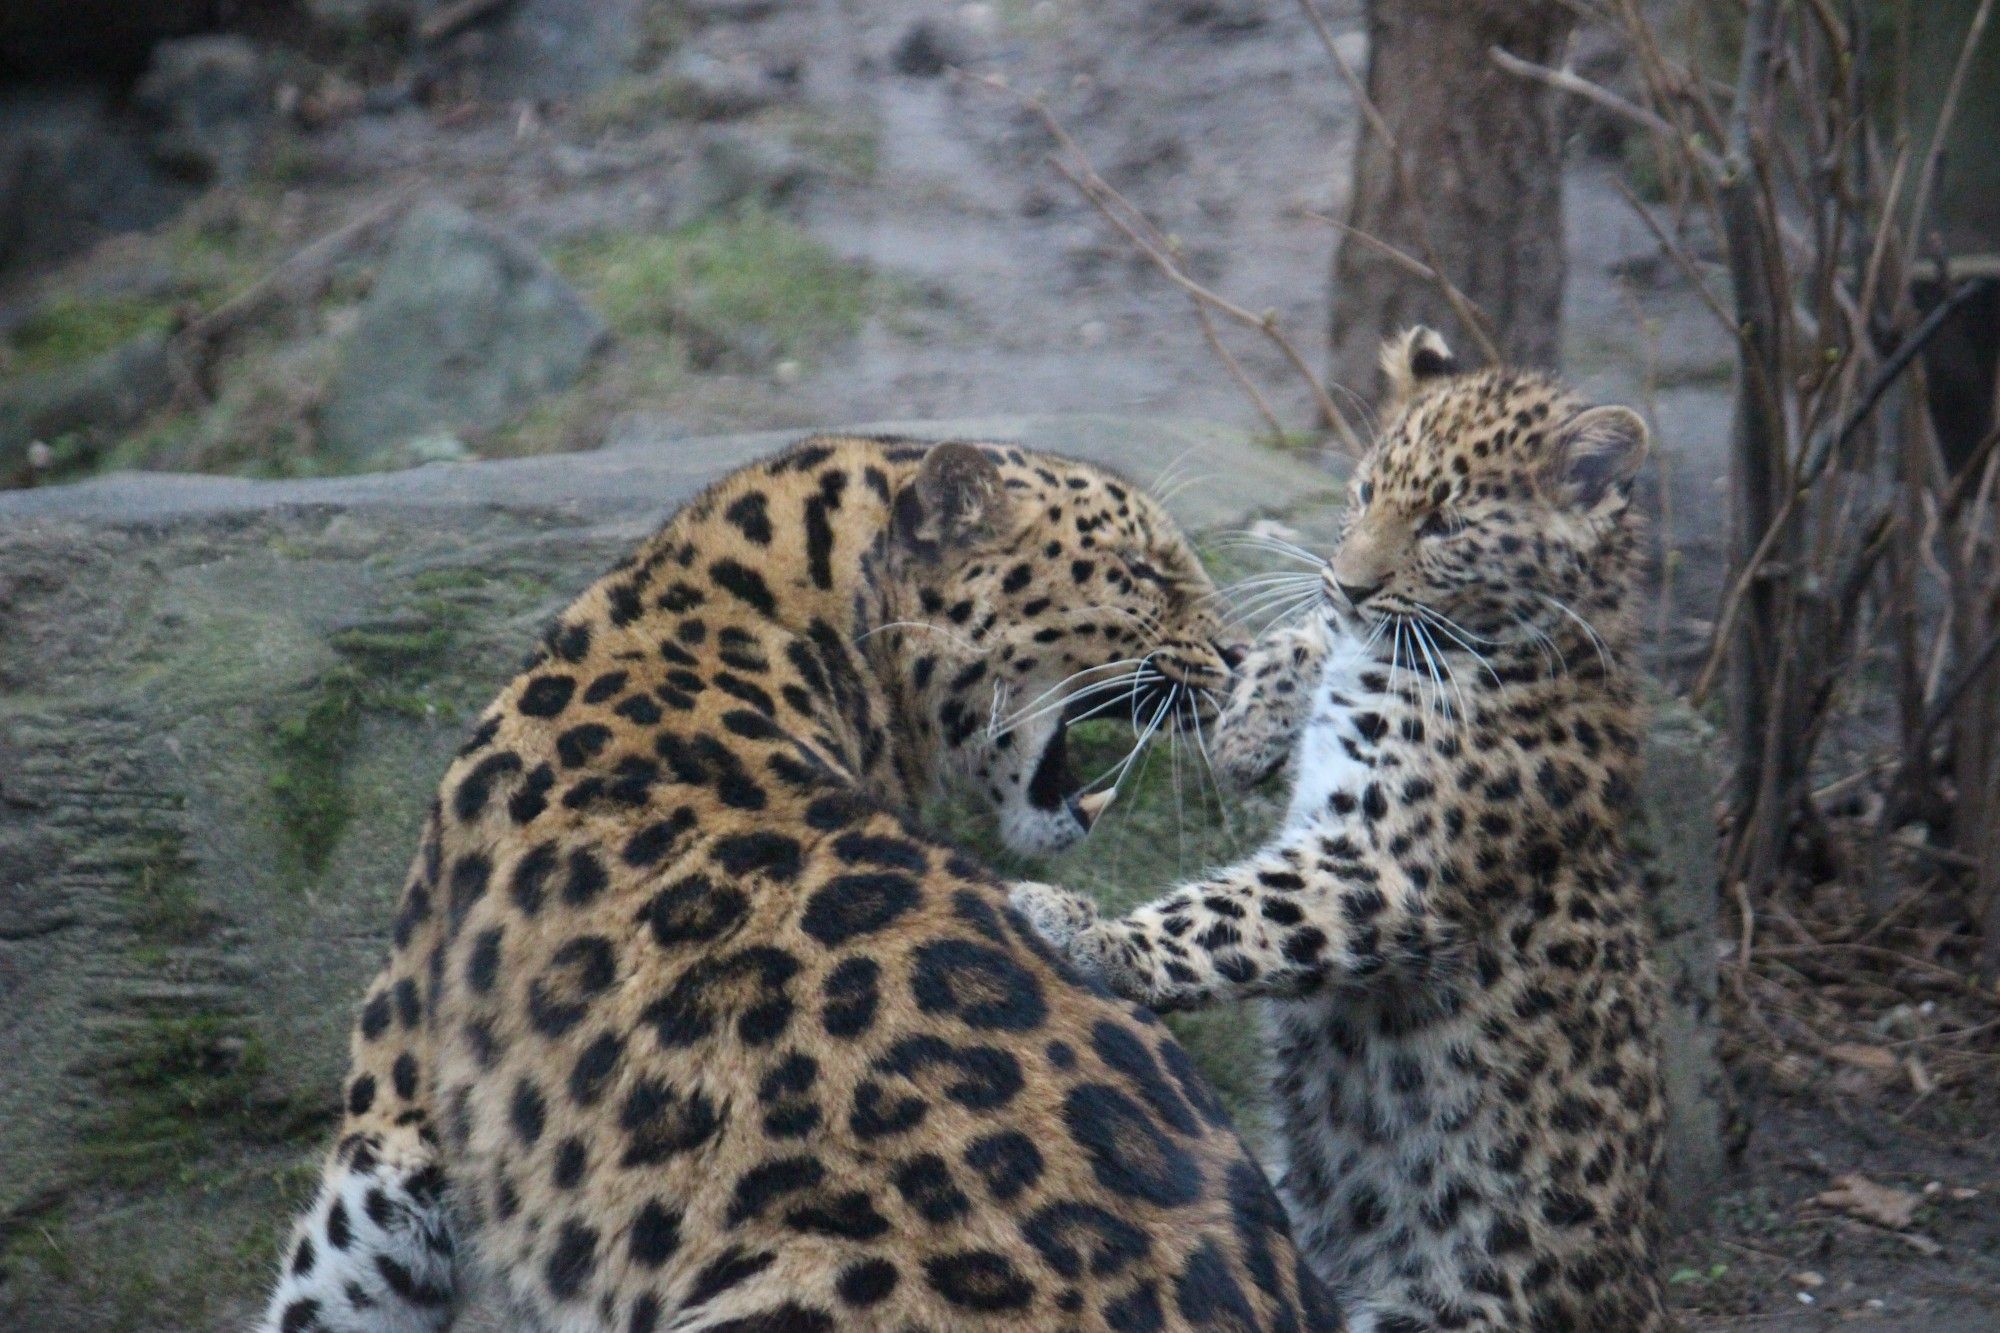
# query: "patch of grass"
68, 330
178, 1088
747, 276
636, 102
849, 147
162, 905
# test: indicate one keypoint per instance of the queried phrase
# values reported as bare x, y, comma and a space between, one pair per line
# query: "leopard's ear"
957, 499
1413, 357
1597, 451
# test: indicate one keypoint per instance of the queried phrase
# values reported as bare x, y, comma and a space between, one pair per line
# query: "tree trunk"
1483, 154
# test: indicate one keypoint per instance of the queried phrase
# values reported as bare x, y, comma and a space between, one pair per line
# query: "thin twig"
1564, 81
1947, 113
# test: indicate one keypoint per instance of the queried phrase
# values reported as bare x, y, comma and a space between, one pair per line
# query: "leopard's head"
1495, 508
1028, 592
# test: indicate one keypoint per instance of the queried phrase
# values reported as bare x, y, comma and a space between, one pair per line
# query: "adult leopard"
687, 1025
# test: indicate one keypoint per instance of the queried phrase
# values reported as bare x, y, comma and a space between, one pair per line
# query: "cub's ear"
1412, 357
958, 498
1597, 451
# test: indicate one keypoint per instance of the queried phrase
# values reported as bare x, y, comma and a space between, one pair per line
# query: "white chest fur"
1325, 761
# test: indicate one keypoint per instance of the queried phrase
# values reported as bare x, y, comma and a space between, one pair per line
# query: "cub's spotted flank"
1451, 948
688, 1026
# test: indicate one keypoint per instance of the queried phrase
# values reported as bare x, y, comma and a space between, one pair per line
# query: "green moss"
379, 668
634, 103
162, 904
849, 147
177, 1089
71, 329
749, 273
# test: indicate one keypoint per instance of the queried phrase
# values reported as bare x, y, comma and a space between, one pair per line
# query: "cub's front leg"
1302, 914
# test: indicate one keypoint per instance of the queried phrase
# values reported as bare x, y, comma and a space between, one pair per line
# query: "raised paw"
1058, 915
1268, 705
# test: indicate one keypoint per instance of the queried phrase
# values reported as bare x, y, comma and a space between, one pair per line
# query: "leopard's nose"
1233, 655
1357, 593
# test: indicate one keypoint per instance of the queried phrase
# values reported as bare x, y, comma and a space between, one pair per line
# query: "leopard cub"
1451, 952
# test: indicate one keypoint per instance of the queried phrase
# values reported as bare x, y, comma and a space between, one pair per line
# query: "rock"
735, 167
465, 327
560, 50
929, 47
105, 394
1220, 16
72, 172
209, 100
706, 87
352, 16
730, 11
1674, 836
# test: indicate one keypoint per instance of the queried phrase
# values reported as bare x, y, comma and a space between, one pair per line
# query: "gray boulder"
466, 326
209, 101
89, 402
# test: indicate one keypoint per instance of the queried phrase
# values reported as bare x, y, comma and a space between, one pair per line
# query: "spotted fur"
1450, 948
688, 1026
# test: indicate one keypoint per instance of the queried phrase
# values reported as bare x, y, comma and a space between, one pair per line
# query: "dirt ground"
1223, 121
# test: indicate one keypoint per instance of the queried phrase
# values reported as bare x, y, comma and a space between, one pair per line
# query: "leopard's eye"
1436, 524
1367, 491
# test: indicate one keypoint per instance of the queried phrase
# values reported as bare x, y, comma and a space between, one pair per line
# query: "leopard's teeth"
1093, 804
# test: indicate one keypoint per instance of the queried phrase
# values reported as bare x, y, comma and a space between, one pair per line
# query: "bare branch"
1564, 81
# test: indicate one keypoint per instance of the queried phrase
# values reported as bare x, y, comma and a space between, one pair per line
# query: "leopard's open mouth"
1055, 785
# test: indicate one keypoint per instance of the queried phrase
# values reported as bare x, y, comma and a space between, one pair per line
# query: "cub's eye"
1139, 569
1436, 524
1367, 491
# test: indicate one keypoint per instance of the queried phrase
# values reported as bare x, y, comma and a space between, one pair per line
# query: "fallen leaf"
1874, 1059
1858, 1196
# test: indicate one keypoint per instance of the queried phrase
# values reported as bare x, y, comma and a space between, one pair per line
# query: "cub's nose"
1357, 593
1233, 655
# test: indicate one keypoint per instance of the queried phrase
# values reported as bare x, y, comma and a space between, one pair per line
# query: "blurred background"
350, 248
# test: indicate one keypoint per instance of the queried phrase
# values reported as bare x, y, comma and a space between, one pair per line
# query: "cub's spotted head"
1031, 591
1495, 506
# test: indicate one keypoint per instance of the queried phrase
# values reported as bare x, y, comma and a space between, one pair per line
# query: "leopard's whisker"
953, 635
1289, 600
1222, 805
1124, 765
1174, 464
1442, 662
1590, 631
1166, 494
1451, 631
1265, 541
1074, 676
1030, 714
